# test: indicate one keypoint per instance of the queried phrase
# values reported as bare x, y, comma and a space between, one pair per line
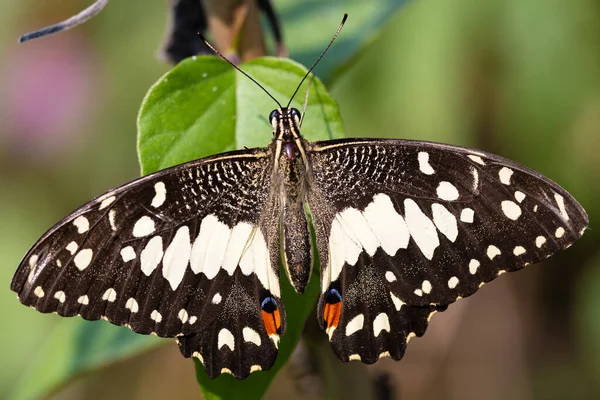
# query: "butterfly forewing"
187, 251
404, 227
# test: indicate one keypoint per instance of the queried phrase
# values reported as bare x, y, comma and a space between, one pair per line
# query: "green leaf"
203, 106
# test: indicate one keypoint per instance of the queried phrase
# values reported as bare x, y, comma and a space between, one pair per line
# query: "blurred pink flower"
48, 96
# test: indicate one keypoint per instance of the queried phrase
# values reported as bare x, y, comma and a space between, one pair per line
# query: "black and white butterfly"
403, 229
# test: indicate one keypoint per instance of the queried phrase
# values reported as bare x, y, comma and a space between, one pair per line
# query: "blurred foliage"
517, 77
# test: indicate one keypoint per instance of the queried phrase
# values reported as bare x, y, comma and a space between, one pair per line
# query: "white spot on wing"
60, 296
177, 256
127, 254
132, 305
357, 226
193, 319
255, 368
561, 206
424, 165
355, 324
198, 356
476, 159
239, 238
110, 295
85, 300
397, 302
151, 255
473, 266
505, 174
421, 228
475, 178
539, 241
381, 323
493, 251
560, 232
447, 191
466, 215
342, 249
250, 335
143, 227
519, 250
39, 292
106, 202
330, 331
388, 226
444, 221
511, 209
389, 276
426, 286
519, 196
452, 282
83, 258
354, 357
72, 247
217, 298
160, 194
256, 259
155, 316
82, 224
33, 265
183, 315
225, 338
209, 247
111, 219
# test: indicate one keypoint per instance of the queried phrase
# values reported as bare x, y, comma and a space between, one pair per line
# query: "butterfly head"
286, 123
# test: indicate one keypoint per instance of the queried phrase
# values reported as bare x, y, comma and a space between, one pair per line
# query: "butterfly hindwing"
186, 252
405, 228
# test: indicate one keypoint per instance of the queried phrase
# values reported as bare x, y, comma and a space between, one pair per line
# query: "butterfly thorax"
290, 165
290, 175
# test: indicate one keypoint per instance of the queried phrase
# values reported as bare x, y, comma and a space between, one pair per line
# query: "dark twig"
72, 22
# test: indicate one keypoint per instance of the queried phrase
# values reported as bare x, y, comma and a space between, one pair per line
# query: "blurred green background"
520, 78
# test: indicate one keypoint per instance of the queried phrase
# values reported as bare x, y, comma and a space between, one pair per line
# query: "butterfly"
403, 229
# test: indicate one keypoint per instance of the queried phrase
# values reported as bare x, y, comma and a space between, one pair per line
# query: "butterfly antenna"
321, 56
237, 68
72, 22
306, 101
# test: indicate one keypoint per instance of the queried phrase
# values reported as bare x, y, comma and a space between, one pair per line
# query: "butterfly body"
403, 229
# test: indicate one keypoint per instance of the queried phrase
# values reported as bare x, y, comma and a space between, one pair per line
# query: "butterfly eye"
296, 114
273, 116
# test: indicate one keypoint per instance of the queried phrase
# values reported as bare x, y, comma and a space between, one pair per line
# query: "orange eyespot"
272, 322
271, 316
333, 308
331, 314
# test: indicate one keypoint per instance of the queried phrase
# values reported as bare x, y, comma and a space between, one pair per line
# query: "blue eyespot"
269, 304
333, 296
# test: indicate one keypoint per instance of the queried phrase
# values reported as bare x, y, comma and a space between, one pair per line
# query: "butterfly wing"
185, 252
405, 228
